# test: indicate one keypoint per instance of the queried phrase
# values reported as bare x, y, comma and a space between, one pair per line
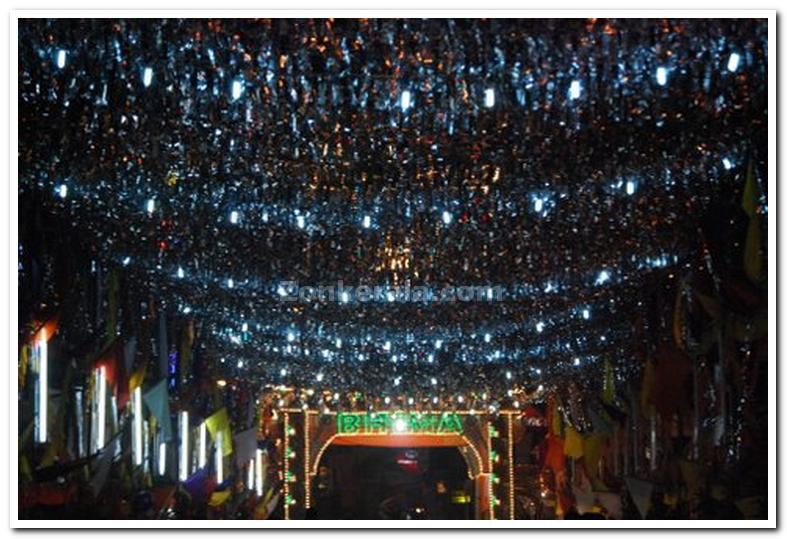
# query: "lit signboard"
399, 423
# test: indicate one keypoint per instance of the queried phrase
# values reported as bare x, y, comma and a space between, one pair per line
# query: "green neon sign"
399, 423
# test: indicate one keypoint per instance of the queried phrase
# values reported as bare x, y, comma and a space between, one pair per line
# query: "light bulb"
147, 77
575, 90
489, 98
661, 76
733, 62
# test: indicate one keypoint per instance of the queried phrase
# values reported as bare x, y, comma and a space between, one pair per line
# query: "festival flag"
24, 360
220, 422
245, 446
592, 449
104, 465
573, 444
157, 400
129, 354
640, 492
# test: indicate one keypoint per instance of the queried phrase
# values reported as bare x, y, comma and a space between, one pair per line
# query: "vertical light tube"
80, 425
137, 426
250, 475
162, 458
183, 468
43, 386
258, 471
102, 408
219, 459
203, 445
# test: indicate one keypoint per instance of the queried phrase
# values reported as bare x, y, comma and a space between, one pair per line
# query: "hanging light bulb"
575, 90
147, 77
733, 62
61, 59
237, 89
447, 217
489, 98
406, 100
661, 76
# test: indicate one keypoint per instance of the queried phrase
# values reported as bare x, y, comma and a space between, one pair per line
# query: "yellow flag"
573, 446
593, 448
218, 498
750, 191
220, 422
137, 377
23, 365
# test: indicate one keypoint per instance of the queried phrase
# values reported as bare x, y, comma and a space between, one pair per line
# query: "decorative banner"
129, 353
399, 423
104, 464
640, 492
245, 446
573, 444
220, 422
157, 399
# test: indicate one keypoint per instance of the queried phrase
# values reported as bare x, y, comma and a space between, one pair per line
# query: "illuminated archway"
475, 464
